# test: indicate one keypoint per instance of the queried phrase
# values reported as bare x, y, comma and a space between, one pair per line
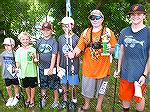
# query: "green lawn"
107, 104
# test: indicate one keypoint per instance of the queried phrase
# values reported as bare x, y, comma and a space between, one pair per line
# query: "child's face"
47, 33
137, 18
8, 47
67, 28
25, 40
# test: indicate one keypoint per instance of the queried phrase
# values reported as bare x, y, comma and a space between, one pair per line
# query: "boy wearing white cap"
7, 60
67, 42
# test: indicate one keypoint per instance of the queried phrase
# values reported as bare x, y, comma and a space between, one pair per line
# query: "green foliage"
23, 15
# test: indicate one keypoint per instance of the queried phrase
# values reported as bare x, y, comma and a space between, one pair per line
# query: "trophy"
105, 41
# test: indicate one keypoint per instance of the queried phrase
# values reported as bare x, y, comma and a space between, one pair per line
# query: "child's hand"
116, 74
70, 55
50, 72
32, 56
141, 80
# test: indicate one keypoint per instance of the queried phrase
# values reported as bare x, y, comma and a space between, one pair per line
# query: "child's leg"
56, 95
9, 91
16, 90
65, 91
32, 95
28, 92
74, 92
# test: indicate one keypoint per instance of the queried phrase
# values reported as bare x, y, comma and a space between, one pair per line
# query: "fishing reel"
97, 45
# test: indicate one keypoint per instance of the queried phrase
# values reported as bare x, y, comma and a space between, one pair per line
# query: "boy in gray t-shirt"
66, 43
7, 61
47, 51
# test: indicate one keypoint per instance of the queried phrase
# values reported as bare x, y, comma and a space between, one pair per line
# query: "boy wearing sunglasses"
96, 67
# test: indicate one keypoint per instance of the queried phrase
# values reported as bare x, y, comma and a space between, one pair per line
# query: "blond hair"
24, 34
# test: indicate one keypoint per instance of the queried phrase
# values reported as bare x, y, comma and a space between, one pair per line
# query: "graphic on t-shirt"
66, 48
45, 48
9, 62
131, 42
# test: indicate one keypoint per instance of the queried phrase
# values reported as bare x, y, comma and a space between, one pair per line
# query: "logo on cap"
135, 8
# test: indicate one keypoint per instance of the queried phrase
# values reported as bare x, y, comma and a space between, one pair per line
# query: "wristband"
144, 76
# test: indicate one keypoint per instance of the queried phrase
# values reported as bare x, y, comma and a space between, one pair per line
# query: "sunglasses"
93, 17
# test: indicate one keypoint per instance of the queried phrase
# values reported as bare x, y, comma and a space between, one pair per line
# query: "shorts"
89, 85
70, 79
126, 91
9, 82
29, 82
52, 81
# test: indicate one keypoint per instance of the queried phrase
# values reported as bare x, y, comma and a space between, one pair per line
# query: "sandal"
81, 109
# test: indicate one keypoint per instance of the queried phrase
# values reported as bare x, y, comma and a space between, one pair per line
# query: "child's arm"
53, 60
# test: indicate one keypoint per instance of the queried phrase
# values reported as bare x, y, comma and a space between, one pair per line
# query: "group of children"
51, 59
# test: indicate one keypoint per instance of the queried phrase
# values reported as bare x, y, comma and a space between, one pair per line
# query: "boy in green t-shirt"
26, 61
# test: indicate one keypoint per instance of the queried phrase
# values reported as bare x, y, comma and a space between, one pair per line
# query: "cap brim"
45, 29
139, 12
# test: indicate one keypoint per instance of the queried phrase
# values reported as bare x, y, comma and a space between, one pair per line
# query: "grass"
106, 107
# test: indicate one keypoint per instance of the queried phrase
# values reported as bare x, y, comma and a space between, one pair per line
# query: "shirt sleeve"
81, 44
17, 57
120, 41
55, 47
113, 40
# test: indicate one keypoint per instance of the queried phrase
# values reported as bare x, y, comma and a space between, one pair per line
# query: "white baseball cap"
9, 41
67, 20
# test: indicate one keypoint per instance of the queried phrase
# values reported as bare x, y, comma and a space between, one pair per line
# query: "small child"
67, 42
47, 51
7, 60
26, 61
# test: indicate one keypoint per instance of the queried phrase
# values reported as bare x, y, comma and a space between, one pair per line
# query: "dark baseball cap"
137, 8
46, 26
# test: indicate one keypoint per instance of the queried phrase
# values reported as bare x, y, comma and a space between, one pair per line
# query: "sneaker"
9, 101
64, 104
43, 103
54, 105
14, 102
31, 105
74, 100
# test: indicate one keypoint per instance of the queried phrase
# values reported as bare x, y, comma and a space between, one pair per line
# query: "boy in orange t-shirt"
96, 62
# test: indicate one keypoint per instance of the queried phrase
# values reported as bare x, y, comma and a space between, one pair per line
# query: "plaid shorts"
52, 81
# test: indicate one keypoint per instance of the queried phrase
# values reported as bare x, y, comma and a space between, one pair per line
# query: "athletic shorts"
89, 85
9, 82
126, 91
72, 79
29, 82
52, 81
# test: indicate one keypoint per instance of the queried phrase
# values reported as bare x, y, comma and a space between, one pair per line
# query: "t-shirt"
136, 48
100, 67
8, 64
45, 49
65, 45
27, 67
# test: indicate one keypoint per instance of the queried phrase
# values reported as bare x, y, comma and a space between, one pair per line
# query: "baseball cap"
96, 13
137, 8
67, 20
9, 41
46, 26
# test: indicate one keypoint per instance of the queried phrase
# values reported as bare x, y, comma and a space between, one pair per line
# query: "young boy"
7, 60
133, 60
47, 51
67, 42
26, 61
